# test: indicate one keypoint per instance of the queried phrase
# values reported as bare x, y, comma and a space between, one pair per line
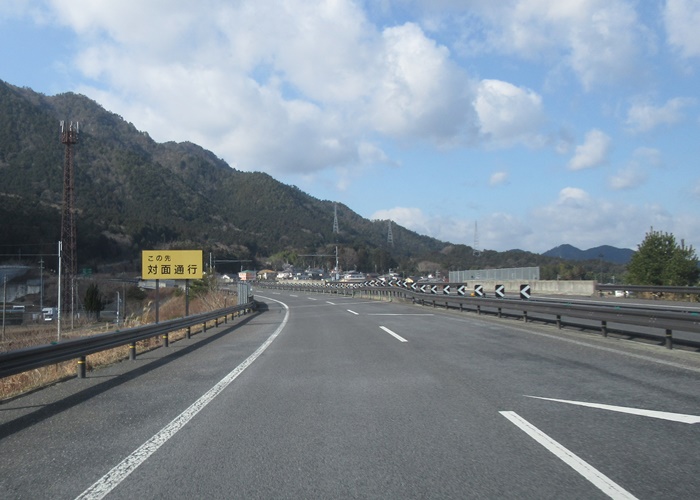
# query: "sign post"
172, 265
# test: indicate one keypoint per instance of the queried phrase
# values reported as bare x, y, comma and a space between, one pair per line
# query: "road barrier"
560, 312
21, 360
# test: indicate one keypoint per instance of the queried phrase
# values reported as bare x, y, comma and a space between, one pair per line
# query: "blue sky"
541, 122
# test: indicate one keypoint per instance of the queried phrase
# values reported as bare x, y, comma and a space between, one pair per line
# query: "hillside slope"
133, 193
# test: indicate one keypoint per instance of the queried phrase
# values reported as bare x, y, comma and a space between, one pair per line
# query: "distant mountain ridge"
606, 253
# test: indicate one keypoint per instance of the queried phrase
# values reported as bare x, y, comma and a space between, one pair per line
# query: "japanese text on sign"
171, 264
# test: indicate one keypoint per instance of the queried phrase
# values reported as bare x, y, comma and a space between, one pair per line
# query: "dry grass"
18, 337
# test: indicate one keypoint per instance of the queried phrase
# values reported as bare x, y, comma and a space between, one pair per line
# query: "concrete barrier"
539, 287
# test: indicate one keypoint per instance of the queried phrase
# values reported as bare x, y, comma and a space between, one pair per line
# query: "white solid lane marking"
398, 337
675, 417
329, 302
600, 480
120, 472
311, 298
353, 312
400, 314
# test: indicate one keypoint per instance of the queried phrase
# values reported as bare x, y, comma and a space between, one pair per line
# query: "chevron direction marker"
446, 289
462, 290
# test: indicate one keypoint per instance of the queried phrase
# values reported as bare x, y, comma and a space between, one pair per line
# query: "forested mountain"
605, 252
133, 194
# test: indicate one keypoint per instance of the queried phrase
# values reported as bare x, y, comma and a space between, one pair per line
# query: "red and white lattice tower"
69, 262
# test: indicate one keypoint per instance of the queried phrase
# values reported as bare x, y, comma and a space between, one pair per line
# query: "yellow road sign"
171, 264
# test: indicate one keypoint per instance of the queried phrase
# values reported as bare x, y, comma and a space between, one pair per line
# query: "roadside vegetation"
662, 261
171, 305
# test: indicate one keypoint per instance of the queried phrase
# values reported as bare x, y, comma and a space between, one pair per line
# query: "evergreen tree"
659, 260
94, 302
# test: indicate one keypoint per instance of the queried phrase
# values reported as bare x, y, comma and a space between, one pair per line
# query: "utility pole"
60, 293
4, 304
41, 285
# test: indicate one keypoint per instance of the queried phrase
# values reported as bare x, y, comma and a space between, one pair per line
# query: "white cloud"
637, 170
445, 228
593, 152
420, 92
682, 18
648, 156
410, 218
579, 219
10, 9
498, 178
508, 114
627, 178
600, 41
643, 117
575, 217
293, 86
695, 189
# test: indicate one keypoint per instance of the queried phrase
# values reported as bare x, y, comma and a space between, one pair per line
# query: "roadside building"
267, 274
247, 275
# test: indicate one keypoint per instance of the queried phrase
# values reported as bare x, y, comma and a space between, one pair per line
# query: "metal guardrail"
691, 290
553, 312
29, 358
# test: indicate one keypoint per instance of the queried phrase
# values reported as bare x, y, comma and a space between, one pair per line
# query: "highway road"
335, 397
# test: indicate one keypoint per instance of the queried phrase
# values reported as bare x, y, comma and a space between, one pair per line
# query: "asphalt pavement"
335, 397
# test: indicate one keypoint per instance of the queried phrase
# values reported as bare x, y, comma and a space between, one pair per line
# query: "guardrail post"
189, 332
604, 328
669, 339
204, 328
525, 316
499, 312
81, 367
559, 321
166, 340
216, 322
461, 308
478, 310
132, 351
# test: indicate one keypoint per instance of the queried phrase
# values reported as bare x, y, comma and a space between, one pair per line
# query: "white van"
49, 313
